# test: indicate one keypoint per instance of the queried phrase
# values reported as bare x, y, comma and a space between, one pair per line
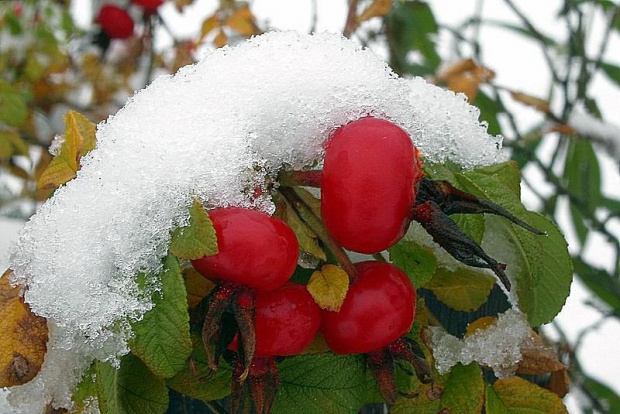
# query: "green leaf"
324, 383
605, 395
471, 224
461, 391
307, 238
464, 289
417, 261
582, 173
541, 265
162, 340
612, 71
520, 30
489, 111
11, 144
196, 379
131, 389
516, 395
13, 109
600, 282
411, 26
196, 240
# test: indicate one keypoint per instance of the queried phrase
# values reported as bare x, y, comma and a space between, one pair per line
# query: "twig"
351, 23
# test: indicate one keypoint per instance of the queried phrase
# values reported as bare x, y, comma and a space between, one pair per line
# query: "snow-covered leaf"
196, 240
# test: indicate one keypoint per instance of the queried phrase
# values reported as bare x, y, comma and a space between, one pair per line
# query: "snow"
605, 134
498, 346
212, 131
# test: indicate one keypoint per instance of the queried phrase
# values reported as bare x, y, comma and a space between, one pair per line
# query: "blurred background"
545, 75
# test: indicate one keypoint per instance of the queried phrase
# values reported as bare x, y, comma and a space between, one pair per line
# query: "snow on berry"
210, 131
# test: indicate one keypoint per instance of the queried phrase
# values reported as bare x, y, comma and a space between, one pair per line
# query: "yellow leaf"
378, 8
221, 39
23, 340
242, 21
536, 103
480, 323
307, 238
79, 139
198, 286
518, 395
464, 289
207, 26
329, 287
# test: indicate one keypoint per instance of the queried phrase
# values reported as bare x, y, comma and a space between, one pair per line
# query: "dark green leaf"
578, 223
417, 261
162, 340
131, 389
612, 71
411, 26
324, 383
196, 240
196, 379
582, 174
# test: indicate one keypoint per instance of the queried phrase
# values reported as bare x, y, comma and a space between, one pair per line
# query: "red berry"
115, 22
379, 308
286, 320
255, 250
368, 184
148, 5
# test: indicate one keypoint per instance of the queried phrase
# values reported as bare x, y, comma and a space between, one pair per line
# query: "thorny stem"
306, 214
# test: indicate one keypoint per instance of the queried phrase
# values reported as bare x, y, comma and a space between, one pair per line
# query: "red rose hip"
368, 184
115, 22
255, 250
379, 308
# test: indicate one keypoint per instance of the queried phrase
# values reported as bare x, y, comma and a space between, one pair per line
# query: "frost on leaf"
24, 337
